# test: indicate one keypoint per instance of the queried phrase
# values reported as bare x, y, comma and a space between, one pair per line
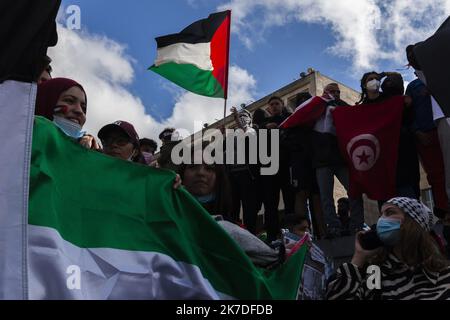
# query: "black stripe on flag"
27, 29
201, 31
433, 57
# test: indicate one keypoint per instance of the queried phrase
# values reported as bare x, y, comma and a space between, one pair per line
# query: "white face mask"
373, 85
70, 128
148, 156
245, 120
176, 136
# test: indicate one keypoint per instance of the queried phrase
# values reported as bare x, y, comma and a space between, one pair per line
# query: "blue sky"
286, 51
272, 42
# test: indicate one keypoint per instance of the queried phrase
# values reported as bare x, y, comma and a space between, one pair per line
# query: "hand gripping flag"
368, 136
125, 233
306, 114
197, 57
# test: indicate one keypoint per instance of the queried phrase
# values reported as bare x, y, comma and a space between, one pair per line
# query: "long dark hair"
363, 85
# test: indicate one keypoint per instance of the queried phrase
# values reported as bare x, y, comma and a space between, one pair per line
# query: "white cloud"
366, 31
191, 107
411, 22
105, 71
101, 66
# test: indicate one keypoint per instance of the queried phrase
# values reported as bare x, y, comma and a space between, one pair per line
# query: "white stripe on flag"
198, 54
304, 104
107, 273
17, 100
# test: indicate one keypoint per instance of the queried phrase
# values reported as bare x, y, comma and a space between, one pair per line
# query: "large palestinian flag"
104, 228
77, 224
197, 57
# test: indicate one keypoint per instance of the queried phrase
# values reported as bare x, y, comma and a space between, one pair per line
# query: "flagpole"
228, 69
224, 111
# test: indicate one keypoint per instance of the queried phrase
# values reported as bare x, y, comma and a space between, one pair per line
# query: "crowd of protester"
413, 247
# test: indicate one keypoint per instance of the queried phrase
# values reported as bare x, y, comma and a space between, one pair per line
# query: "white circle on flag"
364, 151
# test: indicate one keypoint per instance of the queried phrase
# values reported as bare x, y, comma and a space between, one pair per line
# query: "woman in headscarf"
411, 265
64, 102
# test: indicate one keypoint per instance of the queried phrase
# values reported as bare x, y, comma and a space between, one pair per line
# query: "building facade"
314, 83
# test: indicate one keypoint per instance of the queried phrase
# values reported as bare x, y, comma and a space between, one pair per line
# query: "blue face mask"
70, 128
207, 199
388, 230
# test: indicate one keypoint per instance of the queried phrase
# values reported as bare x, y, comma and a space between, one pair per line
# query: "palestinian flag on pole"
197, 58
104, 228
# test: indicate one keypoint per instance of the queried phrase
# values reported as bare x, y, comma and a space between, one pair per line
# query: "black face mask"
393, 91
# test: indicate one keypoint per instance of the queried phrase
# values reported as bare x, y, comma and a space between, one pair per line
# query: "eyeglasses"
119, 141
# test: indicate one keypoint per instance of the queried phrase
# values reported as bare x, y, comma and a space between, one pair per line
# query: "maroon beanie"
124, 126
48, 94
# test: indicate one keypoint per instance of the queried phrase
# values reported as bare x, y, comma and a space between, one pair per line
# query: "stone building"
314, 83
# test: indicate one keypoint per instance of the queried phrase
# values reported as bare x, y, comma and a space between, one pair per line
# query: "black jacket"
325, 147
28, 28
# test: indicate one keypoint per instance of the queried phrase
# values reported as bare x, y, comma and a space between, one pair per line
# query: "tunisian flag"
368, 136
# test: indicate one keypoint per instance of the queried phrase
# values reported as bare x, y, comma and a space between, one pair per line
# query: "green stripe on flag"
191, 78
96, 201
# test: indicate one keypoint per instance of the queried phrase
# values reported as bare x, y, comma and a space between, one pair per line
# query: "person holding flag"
327, 159
369, 138
427, 142
428, 59
64, 101
67, 212
407, 174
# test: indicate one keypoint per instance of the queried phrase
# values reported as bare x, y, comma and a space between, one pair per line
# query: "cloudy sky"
272, 42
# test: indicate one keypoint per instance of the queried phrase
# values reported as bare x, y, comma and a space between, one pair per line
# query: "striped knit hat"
416, 210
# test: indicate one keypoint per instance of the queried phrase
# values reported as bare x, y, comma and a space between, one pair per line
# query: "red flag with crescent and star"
368, 136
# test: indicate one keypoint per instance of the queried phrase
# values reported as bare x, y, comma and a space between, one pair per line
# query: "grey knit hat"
416, 210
